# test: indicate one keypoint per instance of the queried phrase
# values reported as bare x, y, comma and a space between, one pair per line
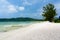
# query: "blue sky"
25, 8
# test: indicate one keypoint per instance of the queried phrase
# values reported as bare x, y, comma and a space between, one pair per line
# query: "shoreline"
36, 31
10, 27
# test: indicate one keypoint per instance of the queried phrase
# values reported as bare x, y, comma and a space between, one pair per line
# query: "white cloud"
31, 2
12, 8
26, 3
6, 7
21, 8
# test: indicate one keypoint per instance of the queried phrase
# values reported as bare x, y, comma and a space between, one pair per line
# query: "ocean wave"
6, 28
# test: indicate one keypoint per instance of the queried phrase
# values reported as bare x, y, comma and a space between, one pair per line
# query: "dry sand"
37, 31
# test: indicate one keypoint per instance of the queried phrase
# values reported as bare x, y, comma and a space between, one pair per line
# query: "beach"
36, 31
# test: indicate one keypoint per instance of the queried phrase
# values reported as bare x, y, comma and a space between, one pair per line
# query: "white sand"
37, 31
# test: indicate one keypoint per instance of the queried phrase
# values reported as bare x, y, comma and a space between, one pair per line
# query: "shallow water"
5, 26
9, 23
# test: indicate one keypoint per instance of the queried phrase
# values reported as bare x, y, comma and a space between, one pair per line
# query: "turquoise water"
10, 25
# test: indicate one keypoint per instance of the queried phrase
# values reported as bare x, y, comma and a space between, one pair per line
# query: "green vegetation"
49, 12
57, 20
19, 19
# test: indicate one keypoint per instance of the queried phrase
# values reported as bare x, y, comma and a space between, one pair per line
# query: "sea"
7, 26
